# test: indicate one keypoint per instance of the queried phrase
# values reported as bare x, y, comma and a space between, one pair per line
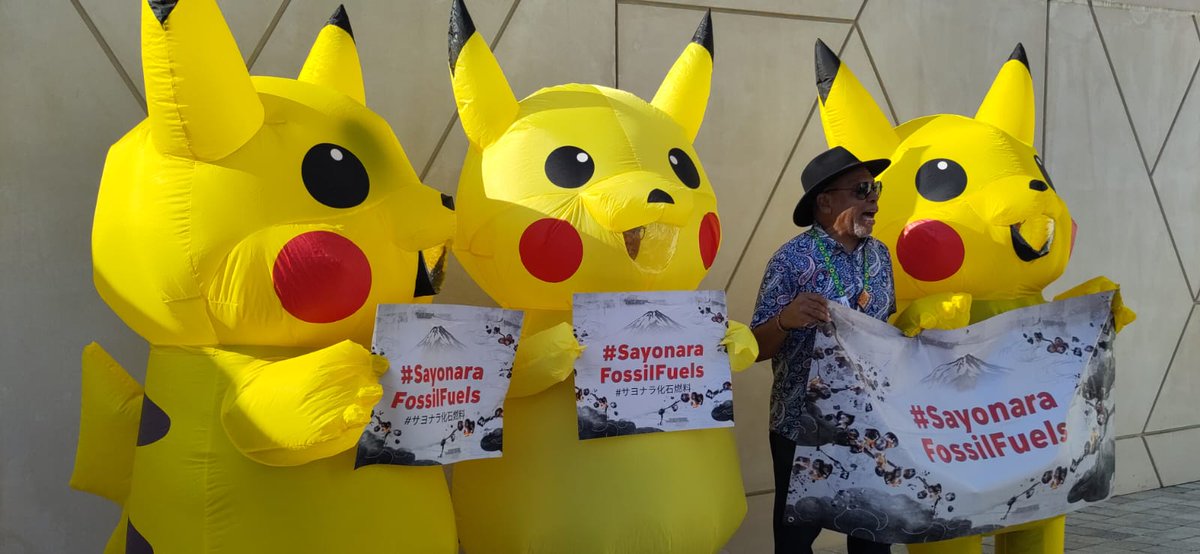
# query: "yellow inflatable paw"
1122, 315
305, 408
943, 310
544, 359
741, 345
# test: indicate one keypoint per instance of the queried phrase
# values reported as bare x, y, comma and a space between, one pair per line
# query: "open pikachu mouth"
651, 246
1027, 234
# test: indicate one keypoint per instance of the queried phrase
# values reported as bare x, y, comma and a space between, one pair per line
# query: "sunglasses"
863, 190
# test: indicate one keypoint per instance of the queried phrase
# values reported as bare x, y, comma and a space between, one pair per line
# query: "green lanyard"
837, 281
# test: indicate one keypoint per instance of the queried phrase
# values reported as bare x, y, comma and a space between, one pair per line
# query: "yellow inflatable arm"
108, 427
740, 343
294, 411
946, 310
543, 360
1122, 315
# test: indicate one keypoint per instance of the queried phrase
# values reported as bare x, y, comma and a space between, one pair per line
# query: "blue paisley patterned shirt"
797, 267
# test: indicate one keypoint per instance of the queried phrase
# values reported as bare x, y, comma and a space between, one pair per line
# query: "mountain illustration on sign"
653, 319
963, 373
439, 340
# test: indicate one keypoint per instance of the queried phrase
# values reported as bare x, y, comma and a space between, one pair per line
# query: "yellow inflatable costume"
973, 222
583, 188
247, 229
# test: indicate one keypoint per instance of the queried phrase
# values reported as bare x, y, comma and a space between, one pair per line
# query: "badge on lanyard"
864, 298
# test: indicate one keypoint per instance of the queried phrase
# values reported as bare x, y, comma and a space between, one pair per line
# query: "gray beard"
861, 231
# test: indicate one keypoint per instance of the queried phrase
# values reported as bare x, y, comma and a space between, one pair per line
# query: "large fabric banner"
956, 433
653, 362
443, 395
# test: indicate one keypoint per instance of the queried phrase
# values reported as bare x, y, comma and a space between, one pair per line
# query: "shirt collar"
823, 235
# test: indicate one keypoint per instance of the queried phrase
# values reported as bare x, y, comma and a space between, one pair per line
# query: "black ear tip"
827, 65
1018, 54
704, 34
162, 9
461, 29
342, 20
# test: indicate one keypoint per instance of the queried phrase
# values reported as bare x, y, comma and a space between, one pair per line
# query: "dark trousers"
798, 539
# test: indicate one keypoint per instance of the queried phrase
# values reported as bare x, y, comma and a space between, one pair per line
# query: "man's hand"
806, 310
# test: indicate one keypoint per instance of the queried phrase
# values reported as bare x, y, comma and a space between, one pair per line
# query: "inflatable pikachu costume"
247, 229
973, 222
583, 188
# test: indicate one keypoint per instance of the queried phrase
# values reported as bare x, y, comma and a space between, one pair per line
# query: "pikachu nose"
448, 202
1038, 185
659, 196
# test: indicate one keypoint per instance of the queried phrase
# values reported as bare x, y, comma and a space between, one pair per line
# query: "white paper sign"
443, 396
653, 363
956, 433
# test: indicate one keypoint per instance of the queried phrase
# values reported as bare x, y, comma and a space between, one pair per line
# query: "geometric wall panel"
1135, 472
910, 40
61, 105
1177, 177
1094, 161
1176, 403
1153, 53
840, 9
1175, 456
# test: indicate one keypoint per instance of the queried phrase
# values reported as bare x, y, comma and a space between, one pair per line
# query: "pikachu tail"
108, 427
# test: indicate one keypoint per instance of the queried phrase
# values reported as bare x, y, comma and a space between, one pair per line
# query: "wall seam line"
112, 57
783, 170
454, 117
1141, 152
262, 41
1183, 333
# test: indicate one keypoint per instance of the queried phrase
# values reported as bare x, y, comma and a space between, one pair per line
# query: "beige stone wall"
1119, 128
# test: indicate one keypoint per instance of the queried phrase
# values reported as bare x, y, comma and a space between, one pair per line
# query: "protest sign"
443, 396
653, 363
956, 433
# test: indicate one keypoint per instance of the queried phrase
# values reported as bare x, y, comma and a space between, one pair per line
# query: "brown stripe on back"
135, 543
154, 424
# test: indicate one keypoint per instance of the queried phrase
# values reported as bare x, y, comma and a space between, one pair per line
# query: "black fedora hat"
823, 169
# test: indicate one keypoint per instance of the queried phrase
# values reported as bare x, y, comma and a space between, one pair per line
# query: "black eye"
941, 179
1041, 167
684, 168
569, 167
334, 176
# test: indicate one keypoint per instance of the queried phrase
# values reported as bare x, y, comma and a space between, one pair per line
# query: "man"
835, 260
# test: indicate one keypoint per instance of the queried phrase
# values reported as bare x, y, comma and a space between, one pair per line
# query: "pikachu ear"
1009, 104
201, 104
683, 95
849, 115
333, 60
486, 104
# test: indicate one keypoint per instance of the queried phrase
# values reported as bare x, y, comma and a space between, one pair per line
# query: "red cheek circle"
321, 277
930, 250
551, 250
710, 238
